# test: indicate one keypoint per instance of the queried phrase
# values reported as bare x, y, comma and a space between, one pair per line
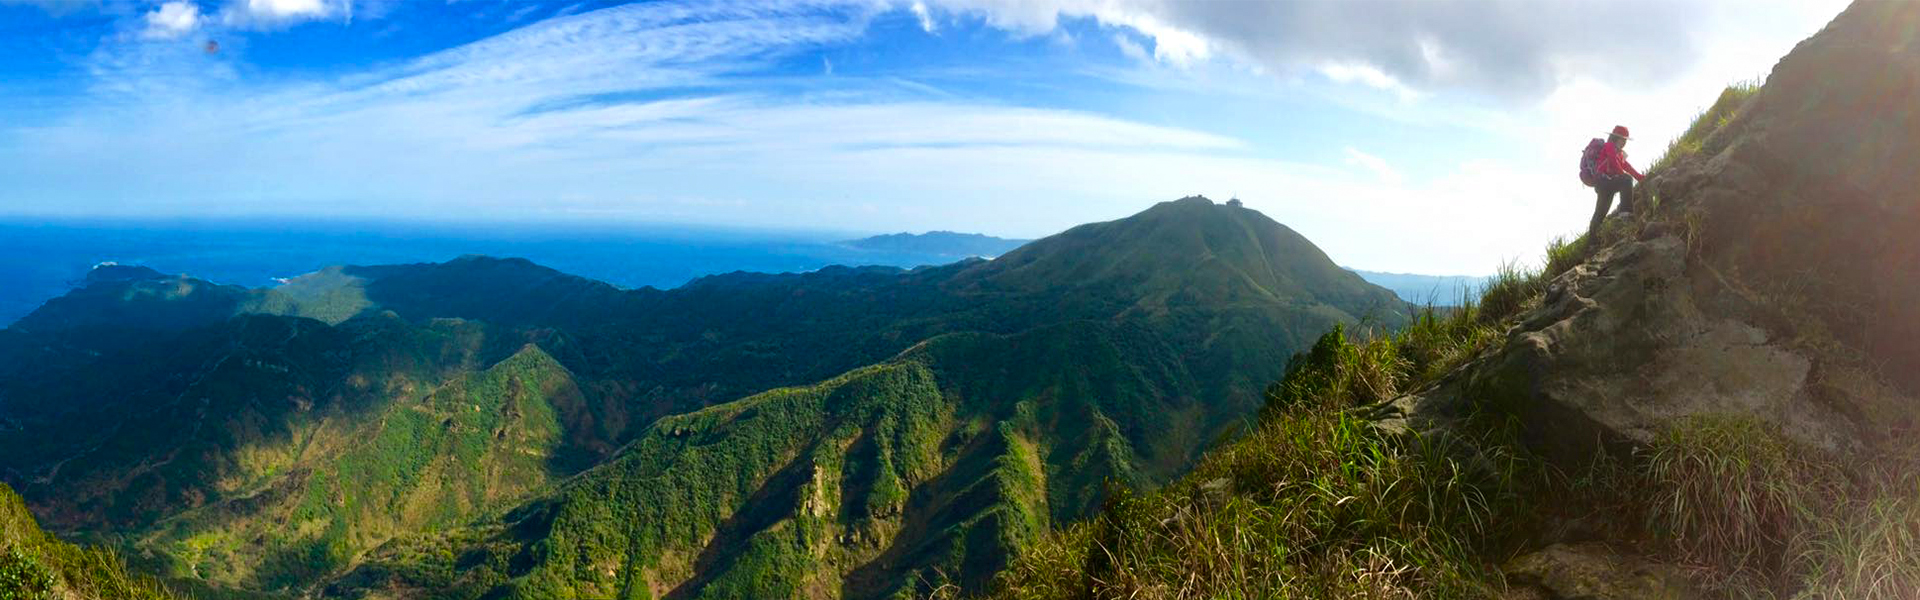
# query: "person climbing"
1604, 166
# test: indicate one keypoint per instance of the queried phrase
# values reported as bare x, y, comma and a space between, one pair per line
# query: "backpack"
1590, 162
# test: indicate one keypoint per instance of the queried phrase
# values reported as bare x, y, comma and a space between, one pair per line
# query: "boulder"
1593, 571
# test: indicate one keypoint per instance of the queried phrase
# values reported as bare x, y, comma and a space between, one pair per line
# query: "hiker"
1604, 167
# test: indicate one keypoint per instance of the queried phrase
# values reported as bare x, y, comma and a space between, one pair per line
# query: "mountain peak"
1184, 251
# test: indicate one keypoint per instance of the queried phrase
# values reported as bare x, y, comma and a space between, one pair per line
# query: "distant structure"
1235, 202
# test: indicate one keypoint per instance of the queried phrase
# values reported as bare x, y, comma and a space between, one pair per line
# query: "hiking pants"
1609, 185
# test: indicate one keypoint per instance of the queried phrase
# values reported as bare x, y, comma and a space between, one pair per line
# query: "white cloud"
171, 20
920, 12
1507, 48
1375, 165
279, 13
1129, 47
1369, 76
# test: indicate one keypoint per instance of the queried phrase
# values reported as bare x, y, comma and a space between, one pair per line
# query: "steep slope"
477, 444
34, 565
1712, 398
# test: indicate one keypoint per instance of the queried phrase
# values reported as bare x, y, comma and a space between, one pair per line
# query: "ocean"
44, 259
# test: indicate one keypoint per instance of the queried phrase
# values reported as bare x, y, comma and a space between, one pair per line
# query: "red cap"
1621, 130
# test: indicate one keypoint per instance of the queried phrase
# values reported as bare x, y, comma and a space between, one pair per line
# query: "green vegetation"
1735, 493
1317, 501
1760, 515
474, 446
36, 566
1694, 140
900, 478
853, 431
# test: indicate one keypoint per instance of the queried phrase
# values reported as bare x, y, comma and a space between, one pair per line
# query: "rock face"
1593, 571
1775, 278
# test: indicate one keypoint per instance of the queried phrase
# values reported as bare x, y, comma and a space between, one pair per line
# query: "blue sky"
1433, 136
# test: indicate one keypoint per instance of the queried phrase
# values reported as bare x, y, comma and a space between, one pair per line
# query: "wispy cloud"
1374, 164
659, 96
920, 12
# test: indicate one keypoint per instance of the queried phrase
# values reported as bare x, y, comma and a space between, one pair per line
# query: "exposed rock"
1775, 278
1593, 571
1624, 345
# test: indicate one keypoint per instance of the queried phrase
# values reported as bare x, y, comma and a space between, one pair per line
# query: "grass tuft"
1873, 554
1513, 288
1722, 112
1736, 494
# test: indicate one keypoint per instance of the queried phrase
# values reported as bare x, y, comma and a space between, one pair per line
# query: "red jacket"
1613, 161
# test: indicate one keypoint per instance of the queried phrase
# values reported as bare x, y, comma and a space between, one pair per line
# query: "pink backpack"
1590, 162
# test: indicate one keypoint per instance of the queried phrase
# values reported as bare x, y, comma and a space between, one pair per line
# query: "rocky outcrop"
1775, 278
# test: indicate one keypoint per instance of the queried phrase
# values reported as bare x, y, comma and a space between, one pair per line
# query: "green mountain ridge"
310, 438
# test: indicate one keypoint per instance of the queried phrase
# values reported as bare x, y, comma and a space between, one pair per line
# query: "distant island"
938, 243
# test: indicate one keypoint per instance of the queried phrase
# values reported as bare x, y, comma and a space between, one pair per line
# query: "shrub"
1336, 373
22, 577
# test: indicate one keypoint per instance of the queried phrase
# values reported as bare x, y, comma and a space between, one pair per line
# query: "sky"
1423, 136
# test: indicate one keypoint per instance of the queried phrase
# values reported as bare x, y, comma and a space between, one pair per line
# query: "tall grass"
1723, 111
1316, 504
1736, 494
1875, 553
1759, 515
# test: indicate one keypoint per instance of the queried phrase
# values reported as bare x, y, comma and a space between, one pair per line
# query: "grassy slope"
36, 566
